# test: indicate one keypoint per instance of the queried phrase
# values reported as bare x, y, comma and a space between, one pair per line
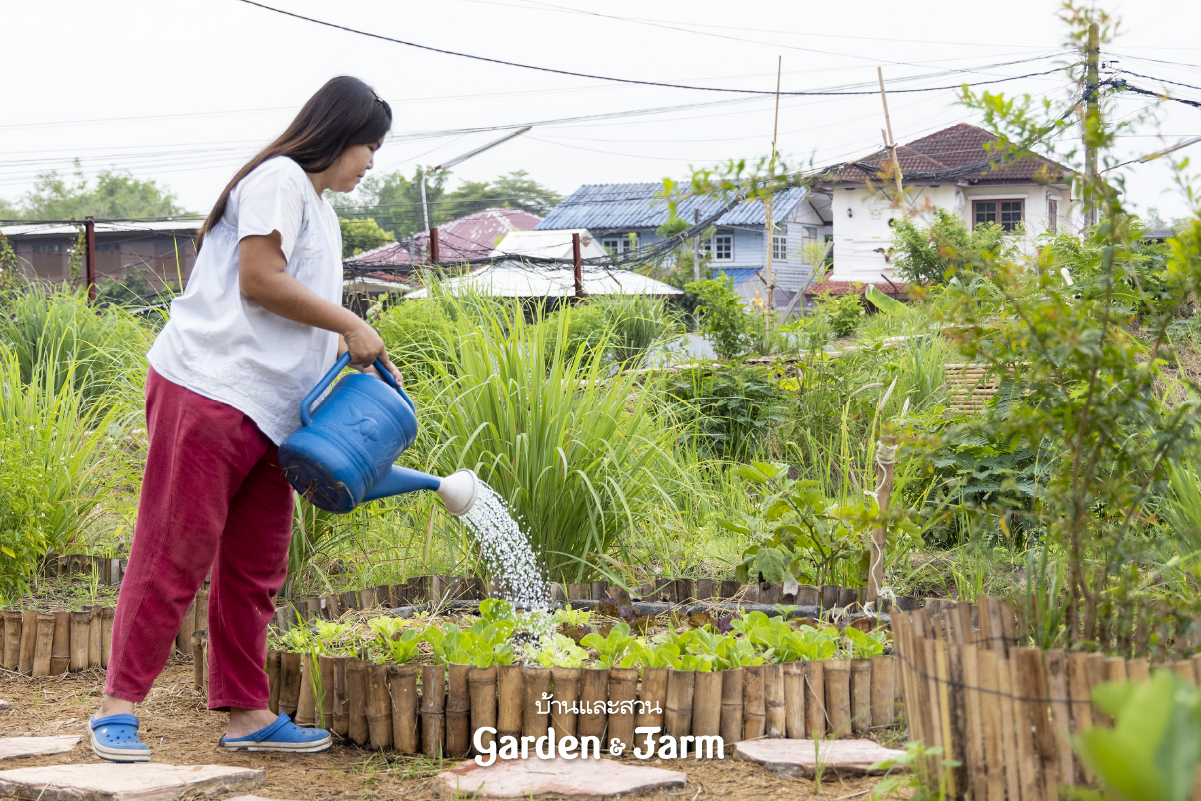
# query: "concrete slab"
793, 758
108, 781
14, 747
581, 778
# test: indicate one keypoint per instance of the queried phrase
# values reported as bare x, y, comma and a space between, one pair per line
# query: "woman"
260, 322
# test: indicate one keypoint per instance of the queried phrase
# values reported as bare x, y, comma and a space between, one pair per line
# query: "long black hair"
343, 113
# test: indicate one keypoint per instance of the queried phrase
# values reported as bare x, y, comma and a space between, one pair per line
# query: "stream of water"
507, 552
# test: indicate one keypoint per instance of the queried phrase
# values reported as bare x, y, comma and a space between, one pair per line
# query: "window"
44, 247
1053, 215
1005, 213
108, 247
619, 244
722, 247
779, 248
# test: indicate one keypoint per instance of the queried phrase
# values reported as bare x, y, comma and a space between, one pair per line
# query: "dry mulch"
181, 731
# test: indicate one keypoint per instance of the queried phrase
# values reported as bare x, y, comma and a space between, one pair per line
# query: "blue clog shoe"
282, 735
115, 738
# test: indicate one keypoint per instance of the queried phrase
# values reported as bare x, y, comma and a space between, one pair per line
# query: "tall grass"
579, 459
56, 462
54, 330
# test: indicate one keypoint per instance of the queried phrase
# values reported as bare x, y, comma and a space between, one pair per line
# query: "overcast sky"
185, 91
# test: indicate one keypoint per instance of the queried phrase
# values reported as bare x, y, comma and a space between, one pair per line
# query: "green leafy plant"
946, 249
916, 781
610, 648
842, 313
573, 617
730, 413
722, 316
555, 650
864, 645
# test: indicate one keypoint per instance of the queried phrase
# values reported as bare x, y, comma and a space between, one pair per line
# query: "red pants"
212, 497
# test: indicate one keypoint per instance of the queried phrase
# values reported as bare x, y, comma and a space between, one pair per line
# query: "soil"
179, 730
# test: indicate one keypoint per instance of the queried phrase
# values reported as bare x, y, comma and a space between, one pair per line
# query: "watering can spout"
457, 491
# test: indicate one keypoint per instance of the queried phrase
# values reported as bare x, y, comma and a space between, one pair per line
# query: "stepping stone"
793, 758
523, 778
108, 781
13, 747
5, 705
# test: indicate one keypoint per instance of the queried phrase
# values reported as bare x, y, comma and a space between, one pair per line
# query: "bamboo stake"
326, 669
838, 697
1196, 669
815, 700
341, 721
861, 695
535, 721
458, 711
1079, 689
183, 640
379, 707
1139, 668
883, 691
272, 676
198, 674
1181, 667
623, 690
677, 714
942, 688
356, 696
202, 610
482, 684
12, 640
706, 703
566, 682
754, 707
289, 690
60, 650
306, 705
990, 712
95, 649
510, 701
776, 722
1055, 665
402, 692
43, 644
107, 618
29, 642
731, 704
1034, 687
204, 659
80, 622
1027, 762
970, 666
1097, 674
433, 706
1115, 669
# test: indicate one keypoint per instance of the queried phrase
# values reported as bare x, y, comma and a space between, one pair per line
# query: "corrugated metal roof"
511, 279
555, 244
609, 207
35, 229
741, 274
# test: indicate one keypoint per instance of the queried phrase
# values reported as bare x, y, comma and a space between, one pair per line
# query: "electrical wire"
632, 81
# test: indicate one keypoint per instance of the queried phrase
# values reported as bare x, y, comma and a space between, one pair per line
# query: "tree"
936, 254
362, 233
394, 200
115, 194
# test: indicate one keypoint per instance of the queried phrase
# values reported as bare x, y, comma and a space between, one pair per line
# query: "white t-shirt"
222, 345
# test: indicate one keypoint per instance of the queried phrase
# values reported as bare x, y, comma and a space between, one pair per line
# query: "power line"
761, 92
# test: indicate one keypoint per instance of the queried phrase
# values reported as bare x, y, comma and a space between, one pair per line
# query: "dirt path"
181, 731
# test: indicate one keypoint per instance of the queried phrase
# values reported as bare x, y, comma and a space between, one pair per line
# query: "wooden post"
402, 690
458, 710
731, 704
891, 143
768, 209
356, 696
12, 640
341, 724
861, 695
379, 707
433, 706
794, 700
815, 700
577, 262
775, 720
510, 697
706, 704
95, 650
677, 714
885, 456
43, 644
623, 687
60, 653
29, 641
563, 716
696, 246
89, 256
272, 678
435, 247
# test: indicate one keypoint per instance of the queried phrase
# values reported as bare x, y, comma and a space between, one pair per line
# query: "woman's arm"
261, 277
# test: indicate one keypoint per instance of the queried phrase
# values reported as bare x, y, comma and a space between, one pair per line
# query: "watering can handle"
328, 378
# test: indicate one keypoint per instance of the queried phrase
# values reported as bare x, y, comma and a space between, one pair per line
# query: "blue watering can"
344, 450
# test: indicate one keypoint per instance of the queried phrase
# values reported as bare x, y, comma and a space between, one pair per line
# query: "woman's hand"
365, 346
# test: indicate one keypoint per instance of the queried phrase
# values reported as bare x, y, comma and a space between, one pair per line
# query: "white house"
950, 169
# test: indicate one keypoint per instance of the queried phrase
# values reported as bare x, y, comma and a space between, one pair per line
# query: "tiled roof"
954, 153
623, 207
853, 288
467, 238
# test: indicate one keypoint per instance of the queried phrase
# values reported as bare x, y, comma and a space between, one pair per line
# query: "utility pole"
435, 255
446, 165
1091, 78
889, 142
771, 279
696, 248
89, 256
577, 266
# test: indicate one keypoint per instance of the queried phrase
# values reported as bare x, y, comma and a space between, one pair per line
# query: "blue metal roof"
610, 207
740, 274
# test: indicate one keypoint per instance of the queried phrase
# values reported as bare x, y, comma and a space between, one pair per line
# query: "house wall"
162, 258
862, 217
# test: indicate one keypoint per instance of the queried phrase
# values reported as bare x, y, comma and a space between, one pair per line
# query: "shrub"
842, 313
623, 328
936, 254
730, 412
722, 316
